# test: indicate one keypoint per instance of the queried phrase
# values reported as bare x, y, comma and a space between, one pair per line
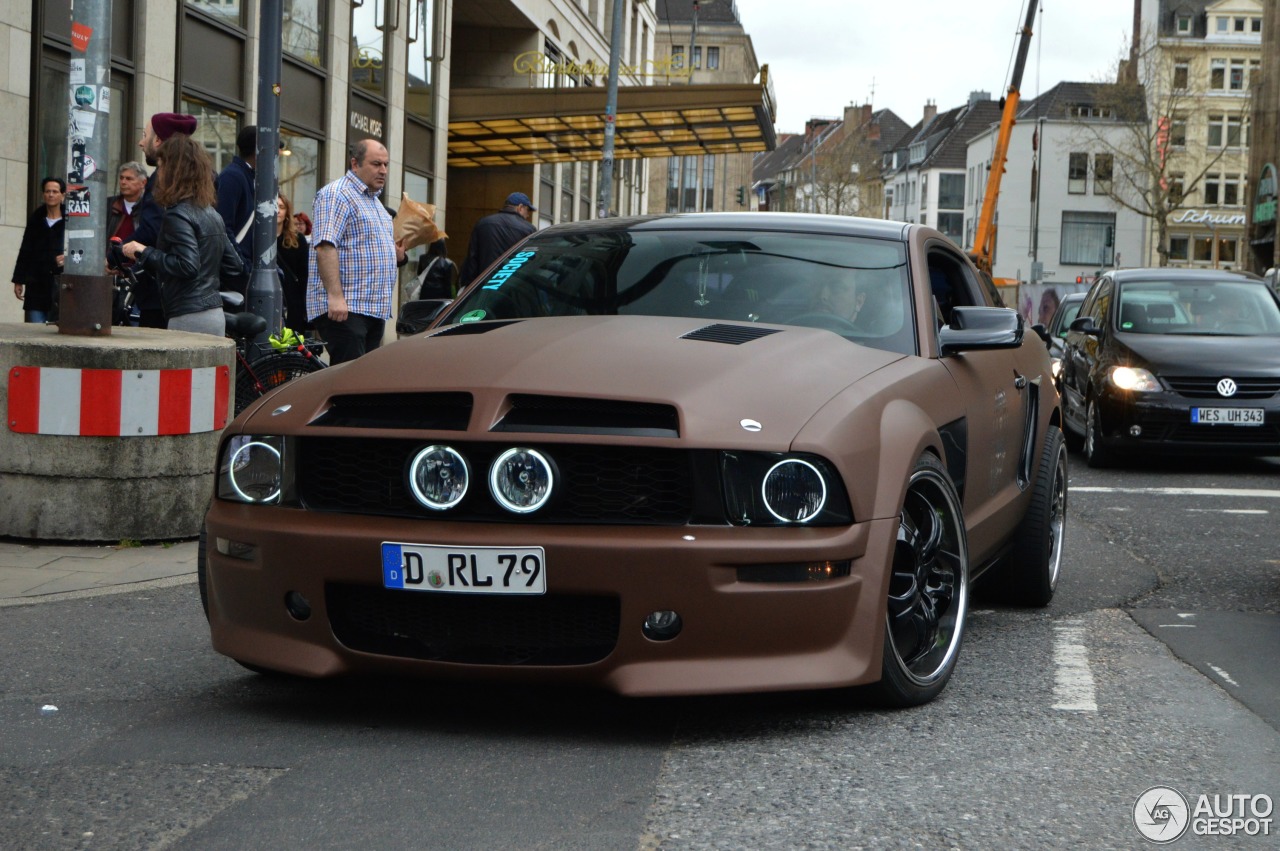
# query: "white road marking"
1225, 676
1177, 626
1248, 492
1228, 511
1073, 688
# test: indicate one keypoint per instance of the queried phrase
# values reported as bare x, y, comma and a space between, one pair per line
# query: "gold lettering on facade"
536, 62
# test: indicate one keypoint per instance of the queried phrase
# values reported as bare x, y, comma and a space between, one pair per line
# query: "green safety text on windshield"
498, 278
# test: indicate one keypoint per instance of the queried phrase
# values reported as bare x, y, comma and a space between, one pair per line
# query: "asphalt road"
1056, 721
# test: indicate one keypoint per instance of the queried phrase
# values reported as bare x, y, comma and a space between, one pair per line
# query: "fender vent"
734, 335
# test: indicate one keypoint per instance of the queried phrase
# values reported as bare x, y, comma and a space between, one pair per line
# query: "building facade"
710, 32
1206, 58
1056, 222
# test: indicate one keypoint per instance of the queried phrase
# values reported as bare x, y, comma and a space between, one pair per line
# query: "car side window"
951, 283
1101, 304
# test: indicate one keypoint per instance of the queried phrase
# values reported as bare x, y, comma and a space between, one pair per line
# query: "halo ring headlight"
521, 480
255, 471
439, 477
794, 491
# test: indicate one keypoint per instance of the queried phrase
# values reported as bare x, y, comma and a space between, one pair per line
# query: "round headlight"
794, 491
255, 471
439, 477
521, 480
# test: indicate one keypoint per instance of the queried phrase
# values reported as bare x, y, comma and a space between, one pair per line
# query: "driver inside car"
841, 296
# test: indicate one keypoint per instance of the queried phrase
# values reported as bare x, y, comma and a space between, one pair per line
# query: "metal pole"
265, 298
693, 35
611, 113
85, 294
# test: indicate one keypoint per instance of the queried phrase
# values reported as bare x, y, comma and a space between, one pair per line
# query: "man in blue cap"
495, 233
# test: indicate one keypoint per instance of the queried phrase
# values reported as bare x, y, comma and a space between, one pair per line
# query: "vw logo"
1227, 387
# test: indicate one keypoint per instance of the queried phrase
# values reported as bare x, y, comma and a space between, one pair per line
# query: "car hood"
778, 379
1188, 354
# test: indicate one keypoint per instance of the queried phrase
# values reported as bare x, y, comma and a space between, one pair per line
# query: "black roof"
681, 11
947, 134
1058, 101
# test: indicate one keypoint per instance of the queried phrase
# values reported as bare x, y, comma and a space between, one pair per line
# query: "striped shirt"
349, 216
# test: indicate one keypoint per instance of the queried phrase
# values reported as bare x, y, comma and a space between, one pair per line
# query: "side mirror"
415, 316
978, 328
1085, 325
1043, 332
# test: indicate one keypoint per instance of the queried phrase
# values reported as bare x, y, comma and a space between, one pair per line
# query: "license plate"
464, 570
1227, 416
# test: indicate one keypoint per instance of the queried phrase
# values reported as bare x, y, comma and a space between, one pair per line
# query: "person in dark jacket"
123, 209
160, 127
437, 274
41, 255
235, 200
291, 259
193, 252
495, 233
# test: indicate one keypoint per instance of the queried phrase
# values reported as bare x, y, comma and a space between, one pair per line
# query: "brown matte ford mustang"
668, 455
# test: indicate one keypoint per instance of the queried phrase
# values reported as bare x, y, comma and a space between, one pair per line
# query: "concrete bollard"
110, 437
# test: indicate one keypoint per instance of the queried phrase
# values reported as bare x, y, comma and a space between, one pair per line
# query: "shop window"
369, 48
566, 192
298, 170
584, 190
1180, 247
216, 129
302, 30
229, 11
425, 51
1202, 249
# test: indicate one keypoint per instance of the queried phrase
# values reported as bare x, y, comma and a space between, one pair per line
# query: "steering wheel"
827, 322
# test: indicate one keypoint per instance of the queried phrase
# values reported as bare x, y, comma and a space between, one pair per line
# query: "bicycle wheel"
268, 372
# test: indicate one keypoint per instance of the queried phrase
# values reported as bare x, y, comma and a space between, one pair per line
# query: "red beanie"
165, 124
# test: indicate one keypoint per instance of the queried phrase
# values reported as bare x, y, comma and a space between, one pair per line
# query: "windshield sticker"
473, 316
500, 277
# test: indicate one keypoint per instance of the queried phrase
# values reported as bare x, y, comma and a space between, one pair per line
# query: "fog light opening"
662, 626
1135, 431
298, 607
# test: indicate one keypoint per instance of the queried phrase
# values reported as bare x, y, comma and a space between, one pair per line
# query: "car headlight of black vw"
782, 489
251, 468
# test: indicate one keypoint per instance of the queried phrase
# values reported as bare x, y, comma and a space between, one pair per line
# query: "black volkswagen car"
1166, 360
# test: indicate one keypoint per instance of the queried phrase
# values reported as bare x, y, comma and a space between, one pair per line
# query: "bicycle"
271, 365
260, 367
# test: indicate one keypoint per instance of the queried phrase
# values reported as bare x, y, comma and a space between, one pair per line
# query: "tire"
202, 571
1095, 453
1031, 575
928, 598
269, 372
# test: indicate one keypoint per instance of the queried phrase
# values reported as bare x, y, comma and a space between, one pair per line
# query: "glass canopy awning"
503, 127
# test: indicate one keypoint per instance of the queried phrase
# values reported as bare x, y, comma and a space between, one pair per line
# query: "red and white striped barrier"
117, 402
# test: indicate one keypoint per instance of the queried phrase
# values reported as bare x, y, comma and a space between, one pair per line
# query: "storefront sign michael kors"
1207, 217
536, 62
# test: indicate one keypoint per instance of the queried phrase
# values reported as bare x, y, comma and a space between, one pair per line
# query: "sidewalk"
35, 572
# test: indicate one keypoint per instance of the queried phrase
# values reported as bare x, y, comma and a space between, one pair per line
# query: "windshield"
1238, 308
854, 286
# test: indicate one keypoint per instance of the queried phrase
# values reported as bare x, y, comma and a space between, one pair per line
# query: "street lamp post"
611, 113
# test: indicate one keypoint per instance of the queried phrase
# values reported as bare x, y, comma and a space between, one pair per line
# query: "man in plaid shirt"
352, 267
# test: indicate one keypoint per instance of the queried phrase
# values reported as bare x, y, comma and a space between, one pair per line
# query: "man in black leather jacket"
495, 233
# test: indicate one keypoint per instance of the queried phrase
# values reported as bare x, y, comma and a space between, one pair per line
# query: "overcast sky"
826, 54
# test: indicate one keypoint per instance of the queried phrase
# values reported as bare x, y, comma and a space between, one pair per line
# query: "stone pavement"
38, 572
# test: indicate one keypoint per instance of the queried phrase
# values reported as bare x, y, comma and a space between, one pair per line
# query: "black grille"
488, 630
598, 484
433, 411
1262, 436
734, 335
1207, 388
566, 415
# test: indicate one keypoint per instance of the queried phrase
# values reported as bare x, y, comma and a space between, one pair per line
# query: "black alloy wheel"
1096, 454
928, 598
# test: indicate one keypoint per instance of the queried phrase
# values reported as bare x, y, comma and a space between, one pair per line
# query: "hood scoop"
564, 415
419, 411
472, 328
734, 335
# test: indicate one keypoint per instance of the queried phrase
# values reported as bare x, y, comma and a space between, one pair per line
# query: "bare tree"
1156, 137
845, 174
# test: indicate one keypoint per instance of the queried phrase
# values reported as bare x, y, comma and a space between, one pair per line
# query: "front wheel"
928, 598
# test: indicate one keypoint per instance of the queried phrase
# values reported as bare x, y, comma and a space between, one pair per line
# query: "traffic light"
742, 196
